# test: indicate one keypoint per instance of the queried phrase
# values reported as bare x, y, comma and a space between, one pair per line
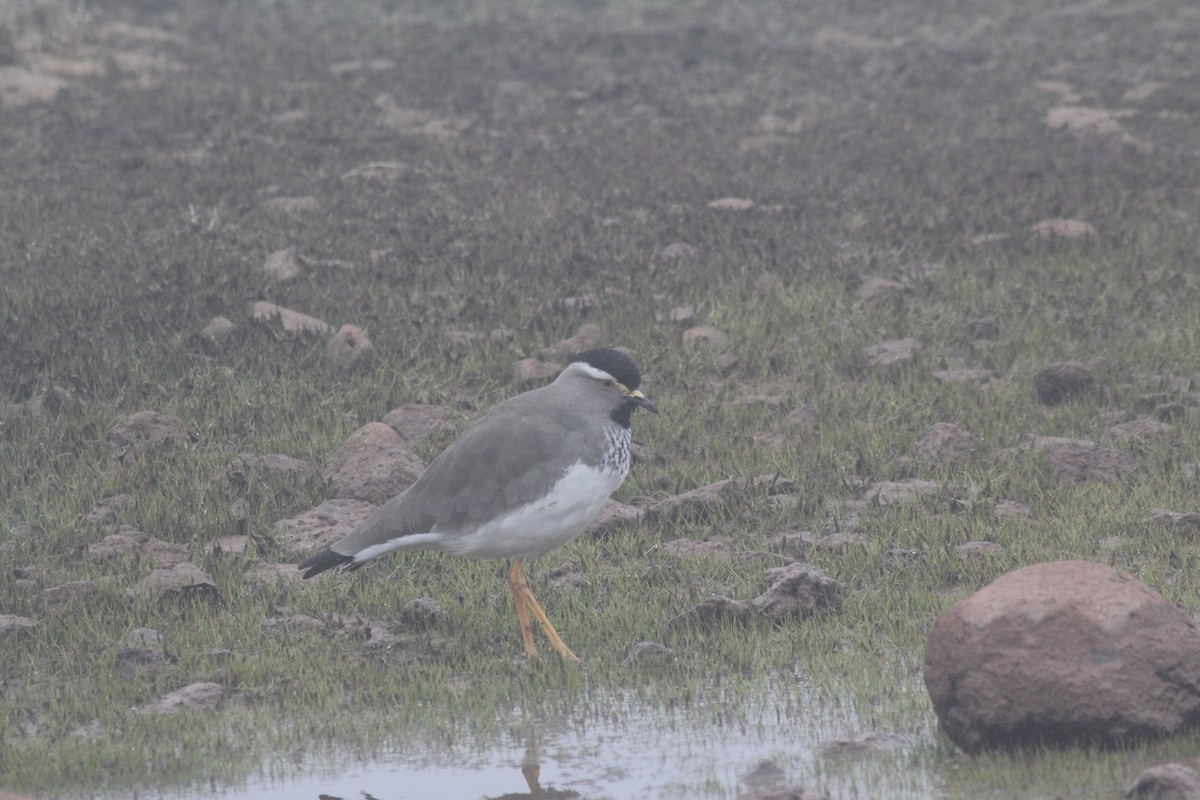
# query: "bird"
522, 480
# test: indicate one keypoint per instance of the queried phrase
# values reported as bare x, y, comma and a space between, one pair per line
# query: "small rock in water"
202, 696
648, 652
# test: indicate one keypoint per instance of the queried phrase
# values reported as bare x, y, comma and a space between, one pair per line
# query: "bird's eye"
607, 384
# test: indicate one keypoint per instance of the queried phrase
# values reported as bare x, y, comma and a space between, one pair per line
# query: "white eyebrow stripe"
589, 370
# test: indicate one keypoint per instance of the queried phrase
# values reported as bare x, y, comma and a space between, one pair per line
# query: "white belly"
541, 525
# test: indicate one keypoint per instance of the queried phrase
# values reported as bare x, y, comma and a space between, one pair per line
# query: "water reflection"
531, 773
612, 747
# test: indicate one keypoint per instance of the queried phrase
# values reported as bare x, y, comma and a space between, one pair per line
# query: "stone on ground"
1059, 653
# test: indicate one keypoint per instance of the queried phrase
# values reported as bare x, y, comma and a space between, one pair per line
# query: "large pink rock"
1063, 652
373, 464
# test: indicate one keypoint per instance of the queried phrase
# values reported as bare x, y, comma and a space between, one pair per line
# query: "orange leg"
526, 602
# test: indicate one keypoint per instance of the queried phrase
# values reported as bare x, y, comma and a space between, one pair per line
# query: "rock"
144, 637
373, 464
420, 612
893, 353
683, 315
1104, 122
581, 302
234, 545
675, 251
1165, 782
984, 328
880, 289
530, 370
752, 398
201, 696
798, 590
1011, 508
278, 464
292, 205
267, 575
587, 337
1166, 412
793, 543
613, 515
44, 404
415, 421
4, 793
804, 422
20, 87
979, 550
350, 350
146, 430
1143, 90
732, 204
764, 774
1065, 652
726, 362
73, 594
182, 581
129, 542
1061, 381
717, 608
320, 526
1070, 229
567, 577
1065, 91
343, 68
692, 548
989, 238
646, 652
691, 505
110, 506
704, 333
134, 660
871, 741
11, 624
292, 321
1138, 429
1079, 460
901, 555
946, 444
890, 493
282, 265
1182, 520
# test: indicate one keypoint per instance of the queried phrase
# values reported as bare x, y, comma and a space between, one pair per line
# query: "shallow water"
613, 749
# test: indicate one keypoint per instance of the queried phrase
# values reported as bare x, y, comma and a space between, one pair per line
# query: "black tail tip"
322, 561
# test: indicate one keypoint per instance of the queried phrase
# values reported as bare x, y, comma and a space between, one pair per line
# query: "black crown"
615, 363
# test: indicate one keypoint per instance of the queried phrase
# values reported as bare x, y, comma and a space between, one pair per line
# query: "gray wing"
503, 460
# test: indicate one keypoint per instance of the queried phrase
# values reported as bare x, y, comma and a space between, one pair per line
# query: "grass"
606, 142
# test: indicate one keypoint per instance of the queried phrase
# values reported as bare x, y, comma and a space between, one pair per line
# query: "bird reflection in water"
532, 772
